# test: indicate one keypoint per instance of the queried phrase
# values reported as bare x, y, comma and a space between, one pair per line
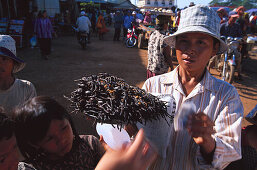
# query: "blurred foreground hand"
137, 156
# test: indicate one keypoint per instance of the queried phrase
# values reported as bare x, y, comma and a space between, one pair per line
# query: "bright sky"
183, 3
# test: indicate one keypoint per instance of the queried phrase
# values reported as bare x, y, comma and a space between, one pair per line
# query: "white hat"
134, 12
201, 19
82, 13
8, 49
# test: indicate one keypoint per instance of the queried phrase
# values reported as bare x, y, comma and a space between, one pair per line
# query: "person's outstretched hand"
138, 156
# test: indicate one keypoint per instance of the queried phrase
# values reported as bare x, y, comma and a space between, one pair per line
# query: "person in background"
84, 25
147, 19
100, 24
140, 17
211, 134
93, 22
128, 19
191, 4
43, 30
253, 21
13, 91
159, 58
231, 28
117, 25
222, 14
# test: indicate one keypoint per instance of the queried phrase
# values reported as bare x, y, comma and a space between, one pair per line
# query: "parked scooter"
131, 39
231, 58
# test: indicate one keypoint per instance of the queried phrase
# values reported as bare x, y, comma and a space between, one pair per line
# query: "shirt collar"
172, 78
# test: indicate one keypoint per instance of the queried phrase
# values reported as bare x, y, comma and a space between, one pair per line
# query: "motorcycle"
231, 58
83, 39
131, 39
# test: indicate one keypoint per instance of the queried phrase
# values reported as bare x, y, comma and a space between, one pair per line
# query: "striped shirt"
216, 98
43, 28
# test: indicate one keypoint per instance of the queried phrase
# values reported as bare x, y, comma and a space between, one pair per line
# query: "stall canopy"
125, 5
94, 1
252, 10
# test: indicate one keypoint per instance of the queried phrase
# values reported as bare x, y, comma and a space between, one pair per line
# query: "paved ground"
68, 62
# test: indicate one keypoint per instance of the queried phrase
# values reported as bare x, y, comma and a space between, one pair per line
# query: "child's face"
194, 51
9, 154
6, 67
59, 138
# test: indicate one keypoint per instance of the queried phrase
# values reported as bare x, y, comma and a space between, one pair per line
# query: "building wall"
51, 6
155, 3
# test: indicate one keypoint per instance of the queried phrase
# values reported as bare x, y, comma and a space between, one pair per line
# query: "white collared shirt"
216, 98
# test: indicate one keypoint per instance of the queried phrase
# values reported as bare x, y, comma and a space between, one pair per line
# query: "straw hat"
8, 49
201, 19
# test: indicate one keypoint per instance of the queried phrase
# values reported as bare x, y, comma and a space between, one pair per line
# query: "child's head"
197, 37
43, 126
9, 155
9, 62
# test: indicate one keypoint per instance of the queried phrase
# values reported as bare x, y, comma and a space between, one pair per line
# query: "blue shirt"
231, 30
118, 19
127, 21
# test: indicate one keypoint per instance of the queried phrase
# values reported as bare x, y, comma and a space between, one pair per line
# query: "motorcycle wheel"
131, 42
83, 43
229, 73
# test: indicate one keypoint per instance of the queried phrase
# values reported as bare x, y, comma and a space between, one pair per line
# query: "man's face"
194, 51
6, 67
241, 11
9, 154
232, 20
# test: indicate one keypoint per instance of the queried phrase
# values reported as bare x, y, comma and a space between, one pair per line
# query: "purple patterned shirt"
43, 28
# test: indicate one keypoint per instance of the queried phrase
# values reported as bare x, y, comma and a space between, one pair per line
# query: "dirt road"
68, 62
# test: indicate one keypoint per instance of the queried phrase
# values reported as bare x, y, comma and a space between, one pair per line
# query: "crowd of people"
36, 132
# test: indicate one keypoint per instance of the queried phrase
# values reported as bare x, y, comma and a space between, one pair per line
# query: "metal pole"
1, 9
15, 8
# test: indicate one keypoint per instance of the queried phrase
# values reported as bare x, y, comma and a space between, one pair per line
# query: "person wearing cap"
128, 19
43, 30
210, 137
222, 14
191, 4
159, 59
13, 91
118, 20
147, 19
231, 28
83, 24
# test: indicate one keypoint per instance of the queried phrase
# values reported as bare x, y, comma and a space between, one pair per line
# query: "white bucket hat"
201, 19
82, 13
8, 49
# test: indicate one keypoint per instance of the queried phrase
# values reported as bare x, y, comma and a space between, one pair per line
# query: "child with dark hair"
48, 140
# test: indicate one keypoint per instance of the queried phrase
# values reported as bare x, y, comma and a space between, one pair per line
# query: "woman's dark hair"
32, 122
6, 127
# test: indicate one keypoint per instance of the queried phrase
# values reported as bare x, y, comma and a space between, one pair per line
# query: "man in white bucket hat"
13, 91
208, 136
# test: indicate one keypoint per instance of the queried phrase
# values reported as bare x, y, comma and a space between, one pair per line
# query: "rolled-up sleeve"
228, 132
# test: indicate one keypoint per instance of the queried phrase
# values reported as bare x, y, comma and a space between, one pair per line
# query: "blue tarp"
94, 1
252, 10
